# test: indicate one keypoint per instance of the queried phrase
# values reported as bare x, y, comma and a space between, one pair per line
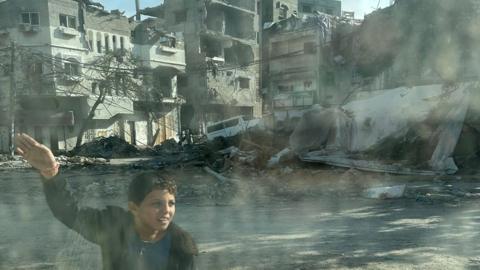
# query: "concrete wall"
4, 139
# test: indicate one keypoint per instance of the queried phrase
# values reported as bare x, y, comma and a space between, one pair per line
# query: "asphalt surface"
254, 232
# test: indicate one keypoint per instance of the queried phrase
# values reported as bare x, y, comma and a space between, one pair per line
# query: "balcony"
167, 50
158, 55
29, 28
68, 32
294, 99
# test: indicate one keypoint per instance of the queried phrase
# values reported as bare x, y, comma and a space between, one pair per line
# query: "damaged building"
221, 48
301, 70
330, 7
412, 104
273, 11
57, 47
162, 65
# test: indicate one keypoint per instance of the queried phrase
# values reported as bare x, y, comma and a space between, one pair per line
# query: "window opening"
31, 18
68, 21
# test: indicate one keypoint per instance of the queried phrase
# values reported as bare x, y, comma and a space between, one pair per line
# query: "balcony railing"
294, 99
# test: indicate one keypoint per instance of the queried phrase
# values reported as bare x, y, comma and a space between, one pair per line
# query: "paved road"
255, 233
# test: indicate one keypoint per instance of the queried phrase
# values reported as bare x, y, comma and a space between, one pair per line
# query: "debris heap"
111, 147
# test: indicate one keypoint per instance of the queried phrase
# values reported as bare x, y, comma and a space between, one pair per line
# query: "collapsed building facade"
221, 47
412, 104
56, 46
302, 70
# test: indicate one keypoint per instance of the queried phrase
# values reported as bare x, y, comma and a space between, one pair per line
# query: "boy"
142, 238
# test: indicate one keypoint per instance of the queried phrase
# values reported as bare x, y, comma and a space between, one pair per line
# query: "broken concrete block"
275, 160
392, 192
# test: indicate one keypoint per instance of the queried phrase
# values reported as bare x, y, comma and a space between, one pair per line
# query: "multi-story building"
331, 7
56, 46
300, 70
271, 12
162, 65
221, 47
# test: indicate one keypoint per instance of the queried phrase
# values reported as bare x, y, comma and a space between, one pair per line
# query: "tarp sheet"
403, 130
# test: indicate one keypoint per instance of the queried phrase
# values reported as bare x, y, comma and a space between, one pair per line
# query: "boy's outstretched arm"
37, 154
89, 222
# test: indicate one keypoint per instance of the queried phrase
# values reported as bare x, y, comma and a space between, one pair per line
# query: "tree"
113, 72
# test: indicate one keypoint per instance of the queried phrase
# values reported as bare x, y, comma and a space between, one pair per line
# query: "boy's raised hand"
38, 155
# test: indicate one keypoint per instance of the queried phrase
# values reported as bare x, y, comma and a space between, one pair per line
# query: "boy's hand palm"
38, 155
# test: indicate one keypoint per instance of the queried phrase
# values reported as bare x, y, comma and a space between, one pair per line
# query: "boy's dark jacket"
111, 228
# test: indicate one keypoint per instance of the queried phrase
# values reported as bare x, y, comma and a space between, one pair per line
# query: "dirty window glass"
274, 134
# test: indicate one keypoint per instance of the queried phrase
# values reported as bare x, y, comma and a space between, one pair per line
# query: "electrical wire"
137, 70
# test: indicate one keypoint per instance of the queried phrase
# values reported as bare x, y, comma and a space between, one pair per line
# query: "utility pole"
13, 98
137, 8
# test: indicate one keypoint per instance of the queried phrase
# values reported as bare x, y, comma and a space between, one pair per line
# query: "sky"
361, 7
128, 5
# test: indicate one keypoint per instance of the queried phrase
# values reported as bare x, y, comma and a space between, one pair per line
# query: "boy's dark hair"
145, 183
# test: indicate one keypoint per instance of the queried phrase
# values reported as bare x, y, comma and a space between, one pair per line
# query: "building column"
102, 42
173, 86
150, 141
94, 41
110, 39
99, 35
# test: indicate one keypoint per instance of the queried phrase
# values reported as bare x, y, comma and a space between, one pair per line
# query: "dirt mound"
111, 147
169, 146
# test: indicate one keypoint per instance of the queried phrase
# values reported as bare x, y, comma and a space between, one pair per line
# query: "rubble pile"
111, 147
168, 146
4, 158
253, 148
7, 162
80, 161
170, 154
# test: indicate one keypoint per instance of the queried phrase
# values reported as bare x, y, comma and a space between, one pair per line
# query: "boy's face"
156, 211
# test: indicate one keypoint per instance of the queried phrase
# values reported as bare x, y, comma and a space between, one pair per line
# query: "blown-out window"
68, 21
72, 67
31, 18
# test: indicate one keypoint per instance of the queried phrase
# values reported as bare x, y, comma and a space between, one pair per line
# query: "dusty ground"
291, 218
